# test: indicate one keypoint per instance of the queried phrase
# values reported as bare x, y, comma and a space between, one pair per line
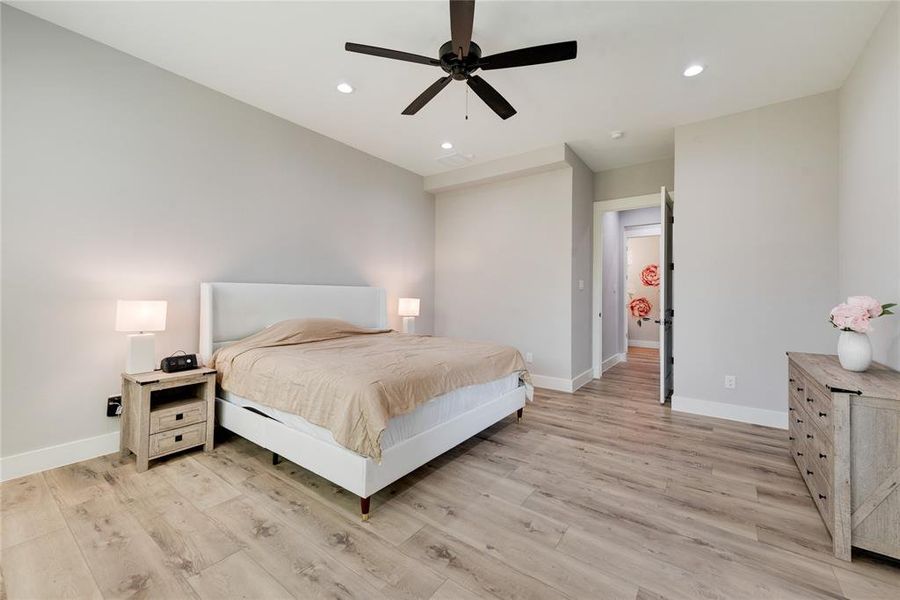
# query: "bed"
233, 311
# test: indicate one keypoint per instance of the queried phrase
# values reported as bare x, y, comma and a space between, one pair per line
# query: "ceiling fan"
461, 57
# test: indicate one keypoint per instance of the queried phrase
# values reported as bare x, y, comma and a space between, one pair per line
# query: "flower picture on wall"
642, 281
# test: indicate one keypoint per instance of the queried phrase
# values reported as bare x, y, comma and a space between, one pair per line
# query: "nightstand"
164, 413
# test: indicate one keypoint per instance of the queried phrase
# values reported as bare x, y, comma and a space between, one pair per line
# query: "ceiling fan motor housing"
456, 67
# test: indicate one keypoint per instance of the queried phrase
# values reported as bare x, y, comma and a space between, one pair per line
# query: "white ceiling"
287, 57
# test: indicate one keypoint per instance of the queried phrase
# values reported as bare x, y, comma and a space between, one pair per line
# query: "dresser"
844, 431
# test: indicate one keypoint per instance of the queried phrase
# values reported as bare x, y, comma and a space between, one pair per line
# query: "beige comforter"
351, 380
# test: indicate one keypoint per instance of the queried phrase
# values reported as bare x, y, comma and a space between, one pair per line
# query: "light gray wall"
582, 256
122, 180
869, 184
636, 180
755, 248
503, 259
612, 282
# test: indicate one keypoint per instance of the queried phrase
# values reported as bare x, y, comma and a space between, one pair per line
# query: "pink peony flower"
851, 317
870, 304
639, 307
650, 276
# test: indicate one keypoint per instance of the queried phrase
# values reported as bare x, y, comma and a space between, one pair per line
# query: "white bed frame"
231, 311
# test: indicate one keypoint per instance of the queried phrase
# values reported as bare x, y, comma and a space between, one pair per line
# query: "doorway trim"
601, 207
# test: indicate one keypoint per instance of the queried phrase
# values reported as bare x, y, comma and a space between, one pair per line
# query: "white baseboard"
26, 463
560, 384
643, 344
582, 379
612, 361
732, 412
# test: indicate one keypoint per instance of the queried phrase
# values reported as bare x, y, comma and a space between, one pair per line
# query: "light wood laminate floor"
600, 494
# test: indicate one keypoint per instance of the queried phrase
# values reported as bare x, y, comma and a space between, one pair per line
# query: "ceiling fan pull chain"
467, 103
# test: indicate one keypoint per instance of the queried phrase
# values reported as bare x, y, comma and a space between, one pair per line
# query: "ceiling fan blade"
387, 53
534, 55
462, 15
426, 96
491, 97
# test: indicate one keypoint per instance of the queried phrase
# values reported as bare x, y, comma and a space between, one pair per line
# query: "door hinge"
672, 266
671, 360
672, 220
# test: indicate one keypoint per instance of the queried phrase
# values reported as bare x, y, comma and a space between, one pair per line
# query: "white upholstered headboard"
231, 311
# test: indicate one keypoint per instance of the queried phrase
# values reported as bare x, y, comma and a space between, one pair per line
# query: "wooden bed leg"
364, 508
275, 459
519, 414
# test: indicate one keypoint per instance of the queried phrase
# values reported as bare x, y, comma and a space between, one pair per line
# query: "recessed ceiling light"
693, 70
345, 88
447, 146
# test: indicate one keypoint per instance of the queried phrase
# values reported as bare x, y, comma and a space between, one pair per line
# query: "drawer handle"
822, 496
179, 416
809, 400
808, 472
809, 436
799, 420
799, 454
791, 379
821, 414
790, 408
822, 455
178, 438
799, 389
790, 437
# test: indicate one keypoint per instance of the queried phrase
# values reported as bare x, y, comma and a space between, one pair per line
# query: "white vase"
854, 351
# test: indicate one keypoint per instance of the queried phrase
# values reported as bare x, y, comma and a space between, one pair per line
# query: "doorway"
616, 305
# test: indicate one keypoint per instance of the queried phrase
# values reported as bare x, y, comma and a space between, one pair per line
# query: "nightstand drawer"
177, 414
177, 439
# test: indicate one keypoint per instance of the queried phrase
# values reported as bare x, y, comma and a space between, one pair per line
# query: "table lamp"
409, 310
141, 316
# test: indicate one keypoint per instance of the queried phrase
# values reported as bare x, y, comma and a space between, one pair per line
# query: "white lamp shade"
409, 307
141, 315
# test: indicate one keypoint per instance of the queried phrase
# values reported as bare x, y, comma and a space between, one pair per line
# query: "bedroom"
149, 148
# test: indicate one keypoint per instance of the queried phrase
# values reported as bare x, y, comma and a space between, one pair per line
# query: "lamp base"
409, 324
141, 357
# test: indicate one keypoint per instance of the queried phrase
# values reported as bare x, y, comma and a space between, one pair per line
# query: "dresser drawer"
177, 439
177, 414
818, 405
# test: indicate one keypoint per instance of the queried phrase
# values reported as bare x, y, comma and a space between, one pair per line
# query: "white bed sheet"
434, 412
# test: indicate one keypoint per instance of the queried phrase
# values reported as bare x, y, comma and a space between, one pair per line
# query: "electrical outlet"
581, 284
730, 382
114, 406
529, 357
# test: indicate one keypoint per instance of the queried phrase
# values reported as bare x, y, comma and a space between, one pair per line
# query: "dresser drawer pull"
799, 389
799, 454
799, 420
809, 436
808, 472
178, 438
180, 416
792, 438
822, 496
810, 400
821, 414
791, 379
790, 408
822, 455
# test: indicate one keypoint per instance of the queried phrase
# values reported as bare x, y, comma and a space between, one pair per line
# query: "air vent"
454, 159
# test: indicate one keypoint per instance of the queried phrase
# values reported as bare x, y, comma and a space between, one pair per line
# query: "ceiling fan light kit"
461, 57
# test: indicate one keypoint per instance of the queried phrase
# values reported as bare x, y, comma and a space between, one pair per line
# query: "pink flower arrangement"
650, 276
855, 314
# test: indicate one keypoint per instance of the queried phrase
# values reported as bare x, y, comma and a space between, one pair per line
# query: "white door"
666, 310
